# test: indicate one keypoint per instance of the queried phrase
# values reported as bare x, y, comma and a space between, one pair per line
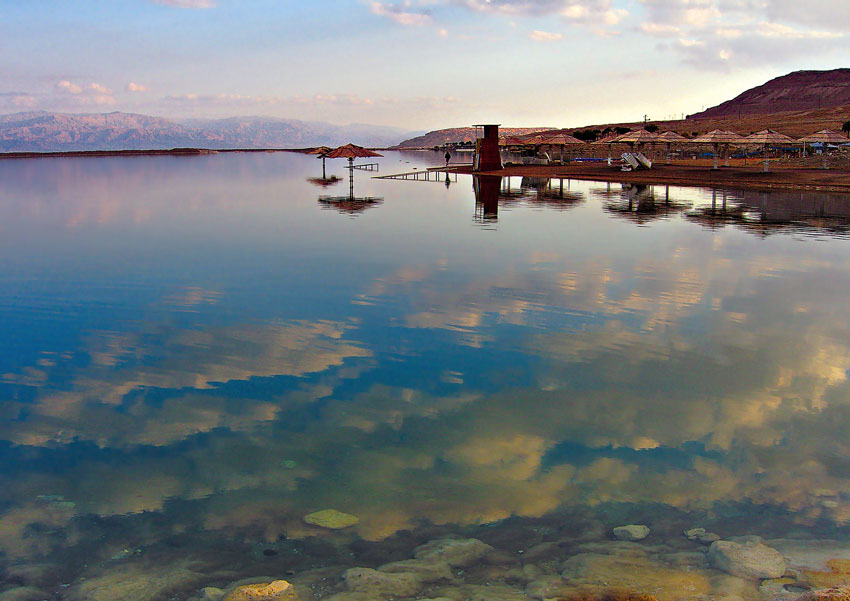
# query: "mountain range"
796, 104
43, 131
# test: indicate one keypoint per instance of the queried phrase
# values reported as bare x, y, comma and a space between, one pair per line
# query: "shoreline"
120, 153
780, 177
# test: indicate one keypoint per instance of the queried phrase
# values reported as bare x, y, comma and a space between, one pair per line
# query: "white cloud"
545, 36
401, 13
136, 87
67, 86
721, 34
187, 3
89, 94
99, 89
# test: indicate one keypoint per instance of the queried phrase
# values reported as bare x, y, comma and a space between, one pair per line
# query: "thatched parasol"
322, 151
765, 137
669, 138
824, 136
351, 152
610, 141
718, 138
512, 141
637, 136
560, 139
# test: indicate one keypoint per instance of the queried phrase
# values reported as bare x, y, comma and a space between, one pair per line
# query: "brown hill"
798, 91
460, 134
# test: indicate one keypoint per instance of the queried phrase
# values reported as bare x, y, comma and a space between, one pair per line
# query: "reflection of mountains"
764, 213
641, 203
494, 191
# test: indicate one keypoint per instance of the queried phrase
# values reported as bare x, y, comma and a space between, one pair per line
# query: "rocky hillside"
42, 131
460, 134
798, 91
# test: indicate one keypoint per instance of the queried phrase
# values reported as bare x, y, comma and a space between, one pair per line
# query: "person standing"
448, 157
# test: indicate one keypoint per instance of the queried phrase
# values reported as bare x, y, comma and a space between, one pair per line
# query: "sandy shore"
693, 173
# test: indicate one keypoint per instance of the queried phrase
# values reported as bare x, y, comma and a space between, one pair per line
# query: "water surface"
195, 352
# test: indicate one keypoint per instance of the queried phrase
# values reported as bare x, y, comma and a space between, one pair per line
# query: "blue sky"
416, 64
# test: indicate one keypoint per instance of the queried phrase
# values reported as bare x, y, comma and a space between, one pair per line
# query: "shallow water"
196, 352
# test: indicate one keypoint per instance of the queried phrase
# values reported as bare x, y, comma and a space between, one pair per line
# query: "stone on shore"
456, 552
382, 584
278, 590
746, 560
631, 533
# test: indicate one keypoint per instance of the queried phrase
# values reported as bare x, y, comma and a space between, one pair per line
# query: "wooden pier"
432, 174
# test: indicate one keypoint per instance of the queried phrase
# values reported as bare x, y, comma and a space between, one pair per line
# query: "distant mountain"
460, 134
43, 131
798, 91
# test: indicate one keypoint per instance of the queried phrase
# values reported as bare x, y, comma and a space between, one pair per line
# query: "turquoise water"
196, 352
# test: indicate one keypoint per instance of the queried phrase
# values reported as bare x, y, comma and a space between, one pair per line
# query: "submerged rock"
428, 570
23, 593
474, 592
382, 584
701, 536
840, 593
456, 552
631, 533
331, 518
210, 593
747, 560
278, 590
548, 587
597, 575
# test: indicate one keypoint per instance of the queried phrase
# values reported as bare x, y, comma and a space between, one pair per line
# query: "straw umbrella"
609, 141
719, 138
322, 151
765, 137
669, 138
560, 140
824, 136
351, 152
636, 138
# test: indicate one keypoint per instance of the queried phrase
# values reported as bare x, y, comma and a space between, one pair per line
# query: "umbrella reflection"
491, 192
349, 205
642, 203
324, 182
764, 213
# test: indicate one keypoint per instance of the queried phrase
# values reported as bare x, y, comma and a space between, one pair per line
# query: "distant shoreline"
692, 173
121, 153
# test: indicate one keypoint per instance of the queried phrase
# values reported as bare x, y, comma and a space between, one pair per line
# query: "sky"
413, 64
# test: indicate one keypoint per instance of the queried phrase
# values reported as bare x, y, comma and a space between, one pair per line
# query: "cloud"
401, 13
545, 36
86, 95
720, 34
187, 3
67, 86
136, 87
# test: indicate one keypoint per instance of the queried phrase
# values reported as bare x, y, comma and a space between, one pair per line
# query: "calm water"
195, 352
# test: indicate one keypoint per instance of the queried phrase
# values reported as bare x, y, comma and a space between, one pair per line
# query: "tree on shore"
846, 127
651, 128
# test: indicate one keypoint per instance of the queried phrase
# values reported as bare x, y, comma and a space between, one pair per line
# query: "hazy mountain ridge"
44, 131
451, 135
797, 91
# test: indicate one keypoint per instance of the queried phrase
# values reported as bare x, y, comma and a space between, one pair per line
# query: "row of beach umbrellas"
720, 139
